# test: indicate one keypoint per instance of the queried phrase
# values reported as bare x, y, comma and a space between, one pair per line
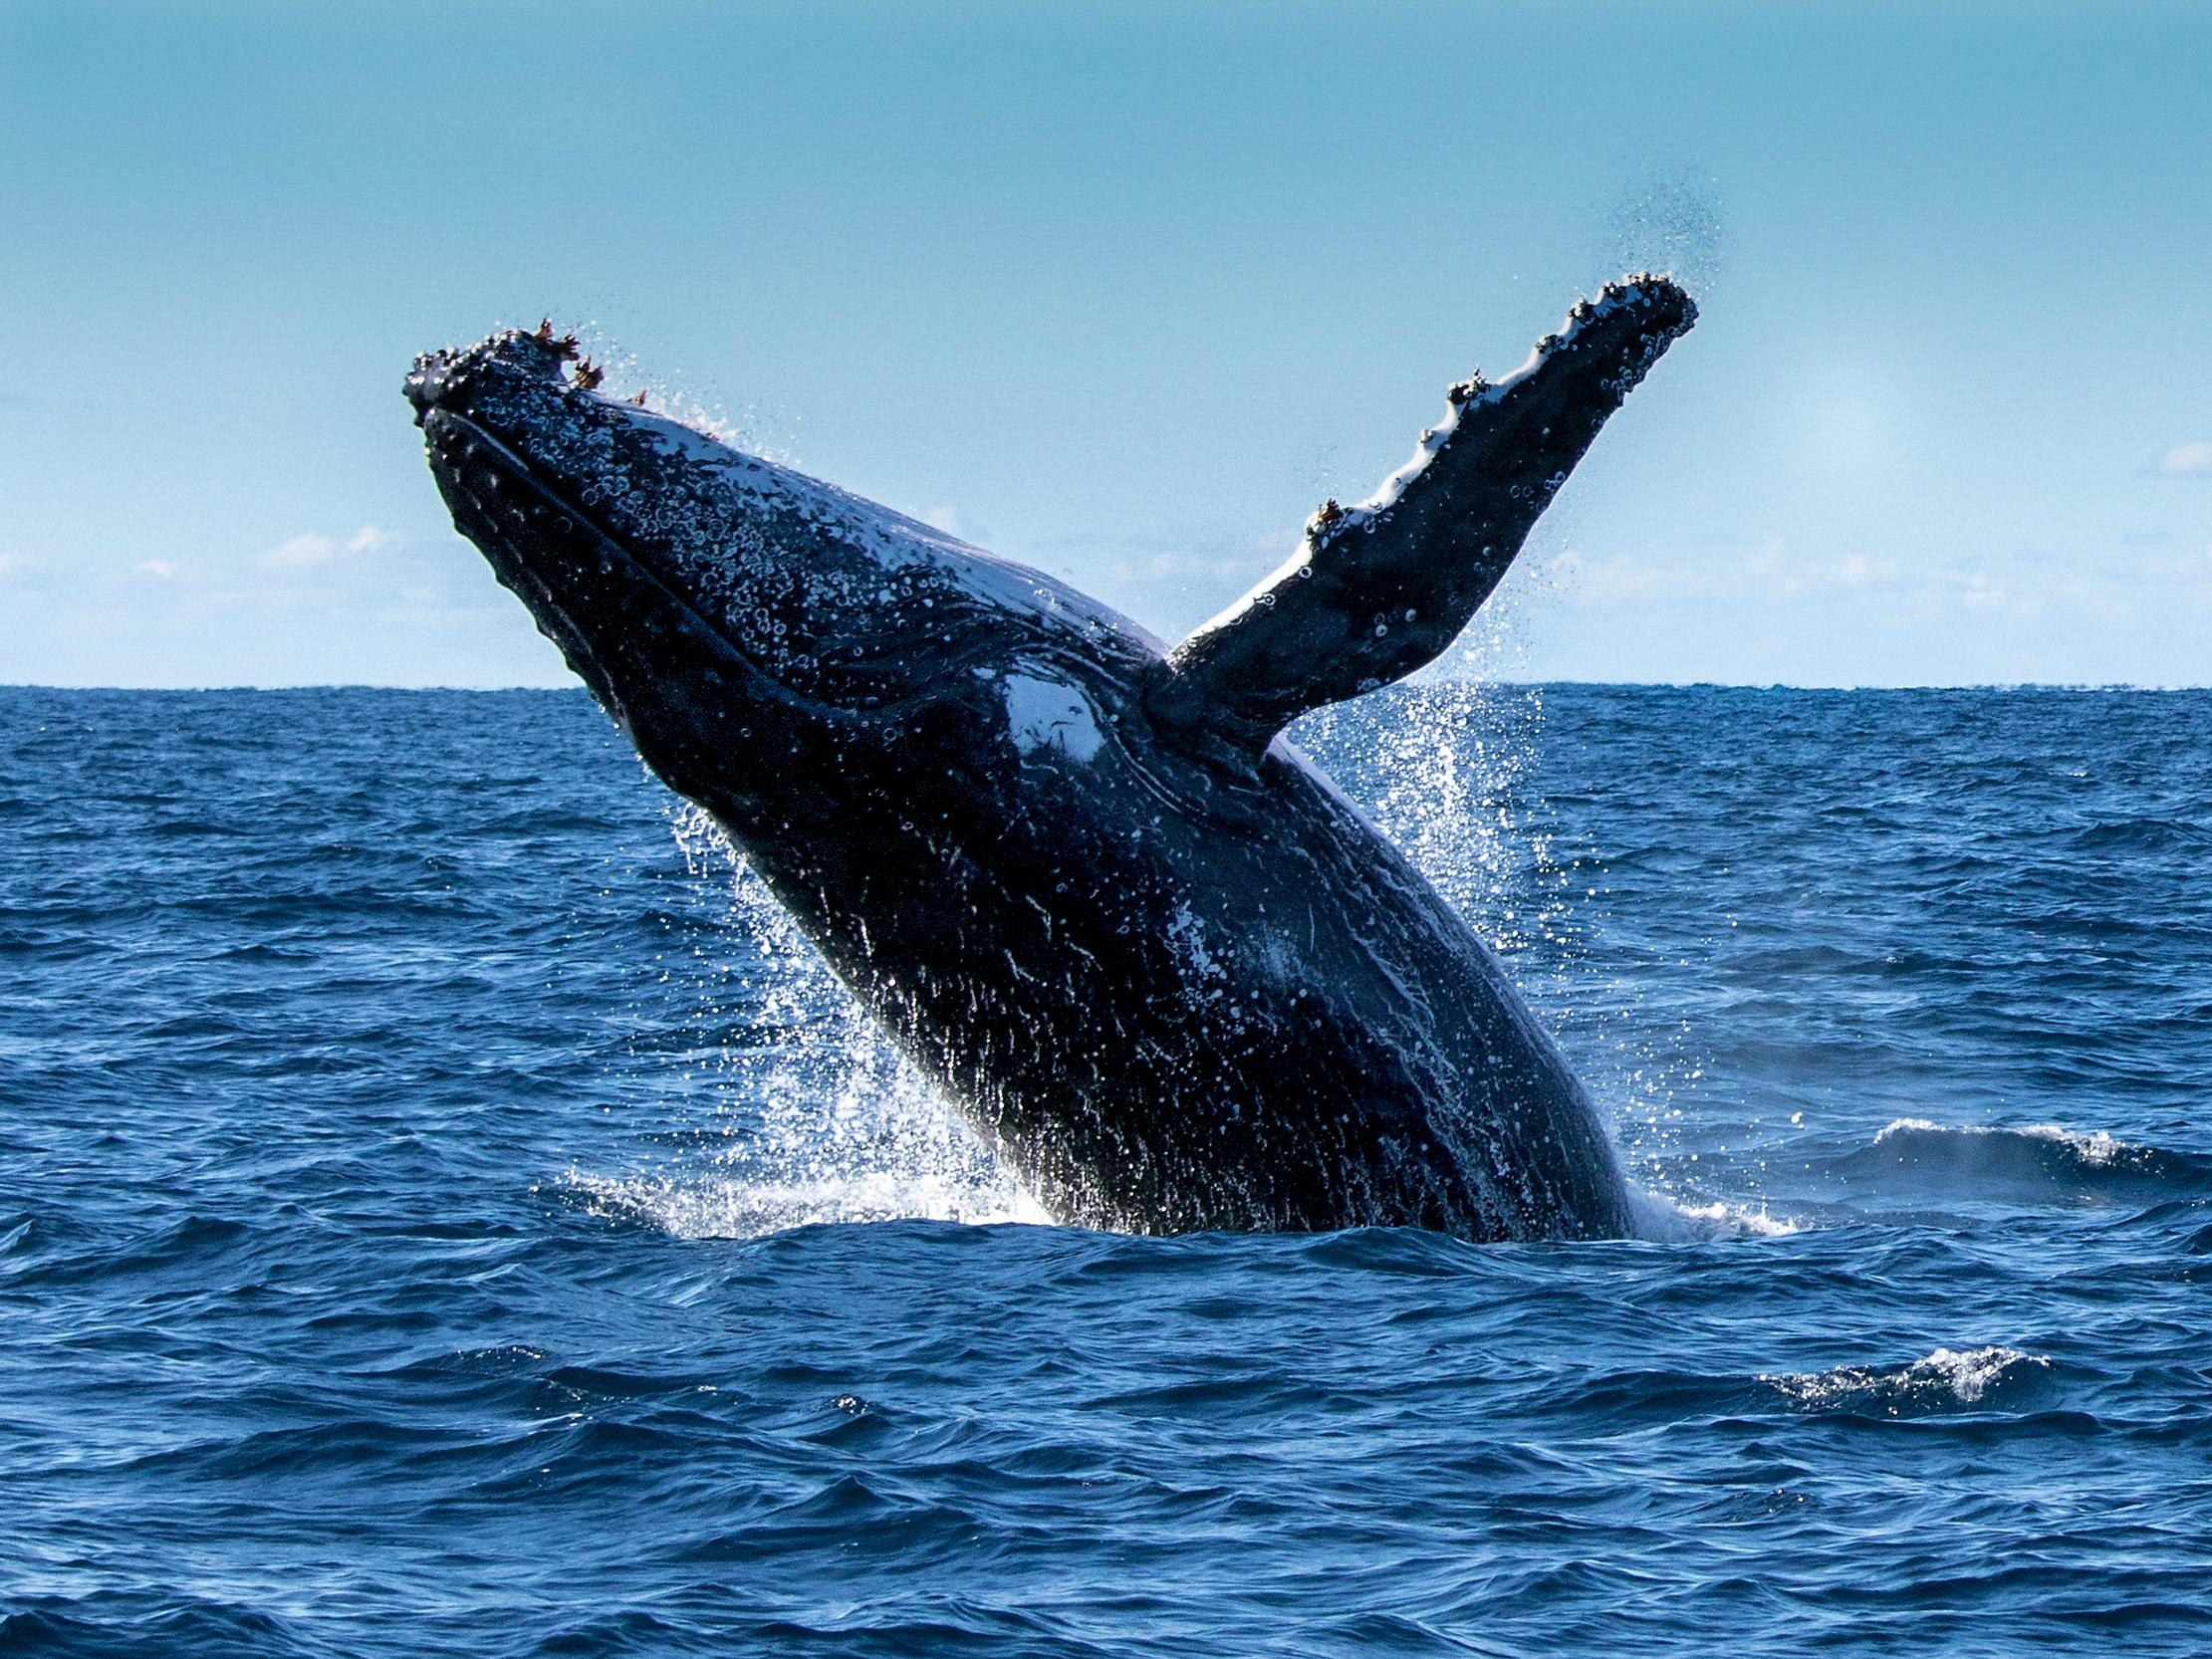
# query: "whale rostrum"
1143, 945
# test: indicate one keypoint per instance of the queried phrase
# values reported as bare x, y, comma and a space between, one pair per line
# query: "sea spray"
820, 1117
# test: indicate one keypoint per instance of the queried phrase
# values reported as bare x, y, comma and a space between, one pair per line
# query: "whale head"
721, 606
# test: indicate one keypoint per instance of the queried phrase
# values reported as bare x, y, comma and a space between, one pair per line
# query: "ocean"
444, 1209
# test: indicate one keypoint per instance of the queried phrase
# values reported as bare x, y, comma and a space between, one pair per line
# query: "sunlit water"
443, 1209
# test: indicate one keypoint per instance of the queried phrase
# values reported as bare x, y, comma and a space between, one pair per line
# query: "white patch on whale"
1049, 714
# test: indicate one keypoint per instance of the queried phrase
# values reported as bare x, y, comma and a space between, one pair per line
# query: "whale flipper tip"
1379, 590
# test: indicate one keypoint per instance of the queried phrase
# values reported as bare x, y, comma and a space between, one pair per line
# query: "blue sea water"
442, 1209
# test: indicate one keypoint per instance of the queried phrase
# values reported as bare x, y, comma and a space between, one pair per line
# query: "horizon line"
422, 686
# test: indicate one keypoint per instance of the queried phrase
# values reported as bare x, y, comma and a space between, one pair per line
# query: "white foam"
1961, 1375
696, 1206
1664, 1220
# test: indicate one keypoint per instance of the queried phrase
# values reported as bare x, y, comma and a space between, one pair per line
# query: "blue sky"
1124, 291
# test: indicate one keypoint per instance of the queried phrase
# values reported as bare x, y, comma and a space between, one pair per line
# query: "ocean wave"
1945, 1379
2046, 1158
2140, 834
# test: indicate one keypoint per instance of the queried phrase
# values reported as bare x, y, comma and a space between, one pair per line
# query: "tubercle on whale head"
576, 503
565, 346
763, 556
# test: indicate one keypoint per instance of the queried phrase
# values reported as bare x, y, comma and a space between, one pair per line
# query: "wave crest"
1947, 1377
2043, 1158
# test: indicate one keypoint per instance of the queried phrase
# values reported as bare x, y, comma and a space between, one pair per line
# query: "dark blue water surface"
443, 1211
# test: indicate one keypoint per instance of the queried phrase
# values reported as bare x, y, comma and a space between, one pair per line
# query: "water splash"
1448, 774
821, 1117
1444, 777
1666, 1219
728, 1204
769, 432
1671, 222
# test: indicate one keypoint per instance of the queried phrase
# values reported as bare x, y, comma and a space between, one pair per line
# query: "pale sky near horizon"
1124, 291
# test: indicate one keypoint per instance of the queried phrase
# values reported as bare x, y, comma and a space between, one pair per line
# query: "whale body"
1149, 952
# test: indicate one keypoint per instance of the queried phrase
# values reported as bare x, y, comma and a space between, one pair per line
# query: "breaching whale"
1173, 977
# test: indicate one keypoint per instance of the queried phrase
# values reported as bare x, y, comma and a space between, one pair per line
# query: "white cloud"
1982, 593
312, 547
1858, 569
2189, 458
1789, 578
300, 552
1769, 570
1619, 578
162, 568
946, 518
12, 561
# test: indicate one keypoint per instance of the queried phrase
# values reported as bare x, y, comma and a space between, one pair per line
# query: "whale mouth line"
514, 566
495, 451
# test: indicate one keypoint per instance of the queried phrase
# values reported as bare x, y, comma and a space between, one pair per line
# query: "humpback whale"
1176, 979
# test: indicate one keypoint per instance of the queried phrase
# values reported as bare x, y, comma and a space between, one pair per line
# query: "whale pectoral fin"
1379, 590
